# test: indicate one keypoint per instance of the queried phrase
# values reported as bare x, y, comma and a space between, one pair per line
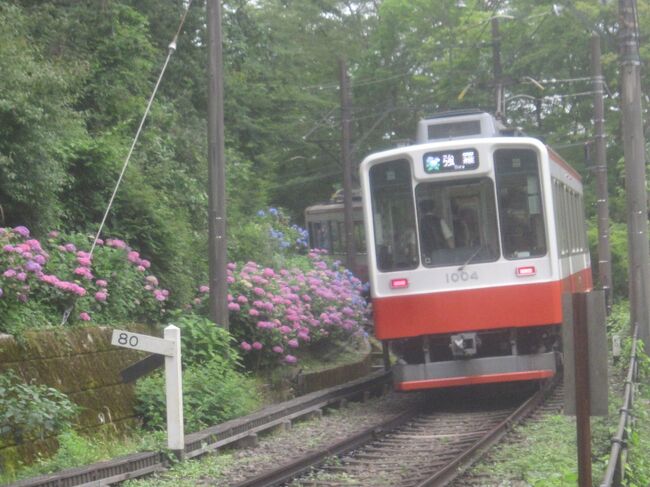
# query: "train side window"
393, 216
560, 226
335, 234
359, 237
566, 207
583, 225
521, 214
574, 222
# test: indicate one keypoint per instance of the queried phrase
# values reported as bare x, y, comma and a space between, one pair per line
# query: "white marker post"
170, 347
174, 391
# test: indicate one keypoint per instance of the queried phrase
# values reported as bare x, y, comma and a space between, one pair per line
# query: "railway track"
231, 434
420, 447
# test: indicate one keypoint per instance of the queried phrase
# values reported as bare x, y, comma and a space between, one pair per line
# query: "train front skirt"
412, 377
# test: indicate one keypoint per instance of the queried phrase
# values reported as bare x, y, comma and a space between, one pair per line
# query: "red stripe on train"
474, 309
473, 380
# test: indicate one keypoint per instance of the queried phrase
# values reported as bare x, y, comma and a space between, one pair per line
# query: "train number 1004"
461, 276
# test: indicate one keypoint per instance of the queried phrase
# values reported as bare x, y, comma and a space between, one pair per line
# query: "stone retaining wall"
83, 364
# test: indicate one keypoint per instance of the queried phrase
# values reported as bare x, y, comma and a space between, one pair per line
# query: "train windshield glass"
520, 203
457, 222
393, 216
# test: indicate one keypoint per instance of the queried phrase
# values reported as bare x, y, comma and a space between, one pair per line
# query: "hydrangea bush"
275, 314
56, 281
267, 238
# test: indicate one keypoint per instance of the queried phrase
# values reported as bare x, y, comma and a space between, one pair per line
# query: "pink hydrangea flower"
245, 346
290, 359
293, 343
101, 296
278, 349
233, 307
257, 345
204, 289
84, 316
101, 283
22, 231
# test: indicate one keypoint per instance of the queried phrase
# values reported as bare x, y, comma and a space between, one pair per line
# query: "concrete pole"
602, 197
635, 178
217, 243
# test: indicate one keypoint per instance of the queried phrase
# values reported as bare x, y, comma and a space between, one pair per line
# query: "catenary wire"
171, 49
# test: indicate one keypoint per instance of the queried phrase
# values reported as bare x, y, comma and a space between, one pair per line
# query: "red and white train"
472, 237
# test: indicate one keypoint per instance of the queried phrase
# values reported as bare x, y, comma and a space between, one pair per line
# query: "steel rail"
287, 472
302, 465
469, 456
208, 440
614, 474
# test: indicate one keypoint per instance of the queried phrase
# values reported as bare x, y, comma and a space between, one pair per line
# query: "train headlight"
401, 283
526, 271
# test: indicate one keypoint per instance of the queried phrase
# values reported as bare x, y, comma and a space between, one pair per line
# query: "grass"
333, 356
546, 456
76, 450
638, 468
187, 474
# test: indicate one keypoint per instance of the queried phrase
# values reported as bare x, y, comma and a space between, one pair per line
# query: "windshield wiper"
471, 257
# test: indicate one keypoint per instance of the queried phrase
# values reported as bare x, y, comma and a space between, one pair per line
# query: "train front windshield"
454, 222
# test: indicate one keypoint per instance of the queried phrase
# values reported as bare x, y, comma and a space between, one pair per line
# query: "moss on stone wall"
80, 362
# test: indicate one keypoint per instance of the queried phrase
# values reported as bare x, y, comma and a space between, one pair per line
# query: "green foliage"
38, 128
637, 468
268, 238
213, 388
204, 342
77, 450
546, 457
213, 392
29, 411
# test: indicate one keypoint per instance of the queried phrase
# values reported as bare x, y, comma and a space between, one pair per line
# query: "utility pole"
216, 173
344, 88
602, 197
635, 179
499, 98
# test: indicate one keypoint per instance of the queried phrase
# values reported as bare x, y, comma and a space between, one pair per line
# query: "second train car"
472, 239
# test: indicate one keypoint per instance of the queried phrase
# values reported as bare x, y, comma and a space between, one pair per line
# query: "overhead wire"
170, 50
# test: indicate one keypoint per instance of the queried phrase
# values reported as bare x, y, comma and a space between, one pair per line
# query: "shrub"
57, 281
268, 239
32, 411
203, 342
275, 313
212, 393
213, 389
